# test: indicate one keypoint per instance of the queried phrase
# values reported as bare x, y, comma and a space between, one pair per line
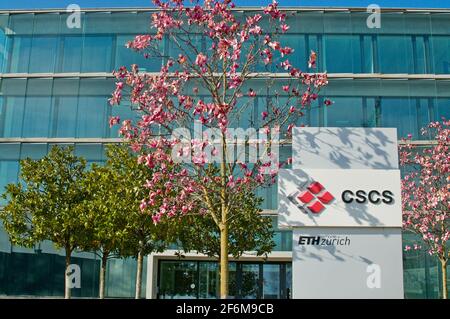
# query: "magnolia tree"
426, 193
220, 60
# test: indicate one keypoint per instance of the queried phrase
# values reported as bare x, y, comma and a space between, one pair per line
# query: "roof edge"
301, 9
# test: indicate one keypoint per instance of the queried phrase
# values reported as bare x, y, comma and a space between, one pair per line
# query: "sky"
45, 4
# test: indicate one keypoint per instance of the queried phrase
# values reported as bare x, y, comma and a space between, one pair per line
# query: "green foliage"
123, 178
248, 229
105, 216
48, 202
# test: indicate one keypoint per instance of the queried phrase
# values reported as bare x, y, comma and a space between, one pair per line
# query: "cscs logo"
312, 198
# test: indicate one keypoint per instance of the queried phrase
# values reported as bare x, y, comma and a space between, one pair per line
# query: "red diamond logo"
315, 187
312, 200
325, 197
316, 207
305, 197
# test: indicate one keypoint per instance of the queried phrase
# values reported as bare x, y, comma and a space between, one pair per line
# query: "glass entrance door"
271, 282
250, 281
178, 280
200, 279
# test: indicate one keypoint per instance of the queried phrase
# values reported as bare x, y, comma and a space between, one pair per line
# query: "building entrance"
200, 279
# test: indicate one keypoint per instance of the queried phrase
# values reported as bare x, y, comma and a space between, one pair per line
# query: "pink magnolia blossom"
170, 99
113, 120
201, 60
328, 102
312, 60
426, 190
284, 28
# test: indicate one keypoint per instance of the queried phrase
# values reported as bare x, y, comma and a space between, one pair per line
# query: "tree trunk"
444, 279
67, 279
140, 259
101, 289
223, 226
224, 261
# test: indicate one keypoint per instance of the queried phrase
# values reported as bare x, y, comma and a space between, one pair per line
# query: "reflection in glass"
38, 117
208, 280
71, 54
97, 54
91, 116
271, 283
178, 280
250, 281
20, 54
342, 53
44, 51
395, 54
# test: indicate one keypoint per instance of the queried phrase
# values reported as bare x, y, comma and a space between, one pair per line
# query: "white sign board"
359, 263
342, 198
344, 148
339, 198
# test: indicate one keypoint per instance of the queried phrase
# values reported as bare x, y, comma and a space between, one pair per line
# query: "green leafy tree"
140, 236
47, 204
249, 230
105, 217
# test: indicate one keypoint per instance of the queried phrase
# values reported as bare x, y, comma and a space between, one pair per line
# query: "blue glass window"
342, 53
19, 33
93, 107
400, 113
127, 57
65, 103
92, 116
441, 55
91, 152
423, 114
20, 53
44, 50
9, 171
395, 54
38, 117
124, 112
9, 151
372, 110
3, 53
299, 58
345, 112
33, 150
38, 113
420, 63
97, 54
11, 116
71, 54
367, 54
244, 116
66, 108
442, 109
12, 109
9, 165
313, 43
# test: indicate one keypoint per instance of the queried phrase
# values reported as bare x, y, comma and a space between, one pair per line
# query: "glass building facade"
55, 81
